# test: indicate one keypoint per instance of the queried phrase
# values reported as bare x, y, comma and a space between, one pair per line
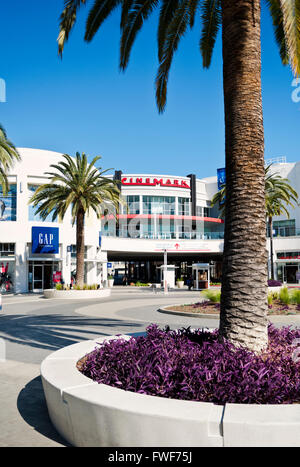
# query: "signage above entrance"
165, 182
45, 240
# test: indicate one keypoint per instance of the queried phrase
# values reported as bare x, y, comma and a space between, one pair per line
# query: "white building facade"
160, 214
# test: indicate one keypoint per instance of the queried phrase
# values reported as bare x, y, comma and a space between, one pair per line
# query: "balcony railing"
285, 232
167, 235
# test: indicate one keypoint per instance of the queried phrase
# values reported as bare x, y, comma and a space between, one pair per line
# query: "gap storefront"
44, 269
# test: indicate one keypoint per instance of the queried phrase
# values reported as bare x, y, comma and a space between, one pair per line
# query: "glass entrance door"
40, 275
38, 278
289, 273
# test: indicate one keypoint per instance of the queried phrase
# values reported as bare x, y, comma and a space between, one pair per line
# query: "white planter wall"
86, 413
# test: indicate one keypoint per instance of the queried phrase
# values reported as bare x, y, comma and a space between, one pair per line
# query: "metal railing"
166, 235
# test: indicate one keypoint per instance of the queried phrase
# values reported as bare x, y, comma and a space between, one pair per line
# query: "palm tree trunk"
80, 248
244, 284
271, 247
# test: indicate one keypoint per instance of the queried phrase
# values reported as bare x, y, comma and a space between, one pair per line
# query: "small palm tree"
279, 195
8, 154
82, 187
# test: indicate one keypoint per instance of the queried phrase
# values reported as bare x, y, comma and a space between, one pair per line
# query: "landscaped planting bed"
197, 366
284, 302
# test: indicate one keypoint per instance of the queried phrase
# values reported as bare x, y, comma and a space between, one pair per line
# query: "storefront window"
7, 274
8, 204
32, 216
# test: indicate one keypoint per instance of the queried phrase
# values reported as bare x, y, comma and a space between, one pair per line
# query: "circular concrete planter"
110, 282
76, 294
180, 284
186, 313
87, 414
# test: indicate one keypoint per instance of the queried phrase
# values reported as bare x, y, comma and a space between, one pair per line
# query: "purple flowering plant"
196, 365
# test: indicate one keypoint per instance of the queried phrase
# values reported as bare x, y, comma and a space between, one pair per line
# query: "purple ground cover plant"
197, 366
274, 283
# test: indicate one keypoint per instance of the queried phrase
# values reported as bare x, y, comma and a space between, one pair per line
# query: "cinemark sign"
140, 181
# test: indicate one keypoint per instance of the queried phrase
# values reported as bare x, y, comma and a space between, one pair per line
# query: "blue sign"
45, 240
109, 265
221, 178
100, 239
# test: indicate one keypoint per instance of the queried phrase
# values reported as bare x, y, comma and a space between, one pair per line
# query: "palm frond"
97, 15
67, 21
166, 14
139, 11
211, 15
174, 32
277, 18
8, 155
291, 24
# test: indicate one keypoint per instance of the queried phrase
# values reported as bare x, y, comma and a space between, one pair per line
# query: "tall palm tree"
243, 318
278, 195
82, 187
8, 154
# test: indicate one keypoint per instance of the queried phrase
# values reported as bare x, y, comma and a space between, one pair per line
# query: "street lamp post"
165, 272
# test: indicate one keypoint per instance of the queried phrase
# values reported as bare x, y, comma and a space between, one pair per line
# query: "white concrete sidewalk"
24, 417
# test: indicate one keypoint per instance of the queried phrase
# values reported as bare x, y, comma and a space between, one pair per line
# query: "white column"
21, 271
66, 264
92, 265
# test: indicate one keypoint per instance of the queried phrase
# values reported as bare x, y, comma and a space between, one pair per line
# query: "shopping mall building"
160, 216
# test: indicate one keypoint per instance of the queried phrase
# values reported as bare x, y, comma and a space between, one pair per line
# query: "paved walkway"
32, 327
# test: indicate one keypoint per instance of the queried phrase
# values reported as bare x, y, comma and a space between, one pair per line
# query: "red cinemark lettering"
147, 182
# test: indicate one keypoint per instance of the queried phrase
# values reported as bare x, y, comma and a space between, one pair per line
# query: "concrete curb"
184, 313
76, 294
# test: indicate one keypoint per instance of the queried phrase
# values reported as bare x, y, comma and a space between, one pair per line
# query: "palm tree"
278, 194
8, 154
82, 187
243, 318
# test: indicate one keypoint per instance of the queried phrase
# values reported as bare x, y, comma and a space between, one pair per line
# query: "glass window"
285, 228
184, 206
8, 204
288, 255
7, 249
159, 205
74, 249
32, 216
132, 205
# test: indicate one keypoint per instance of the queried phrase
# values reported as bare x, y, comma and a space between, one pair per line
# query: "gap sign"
45, 240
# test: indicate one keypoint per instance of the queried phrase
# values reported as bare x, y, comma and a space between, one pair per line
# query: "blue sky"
83, 103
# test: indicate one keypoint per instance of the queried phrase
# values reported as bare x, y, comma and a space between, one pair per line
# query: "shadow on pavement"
52, 332
32, 407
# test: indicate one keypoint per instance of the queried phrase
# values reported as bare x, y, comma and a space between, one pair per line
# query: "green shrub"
296, 296
59, 286
212, 295
284, 296
270, 299
275, 295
